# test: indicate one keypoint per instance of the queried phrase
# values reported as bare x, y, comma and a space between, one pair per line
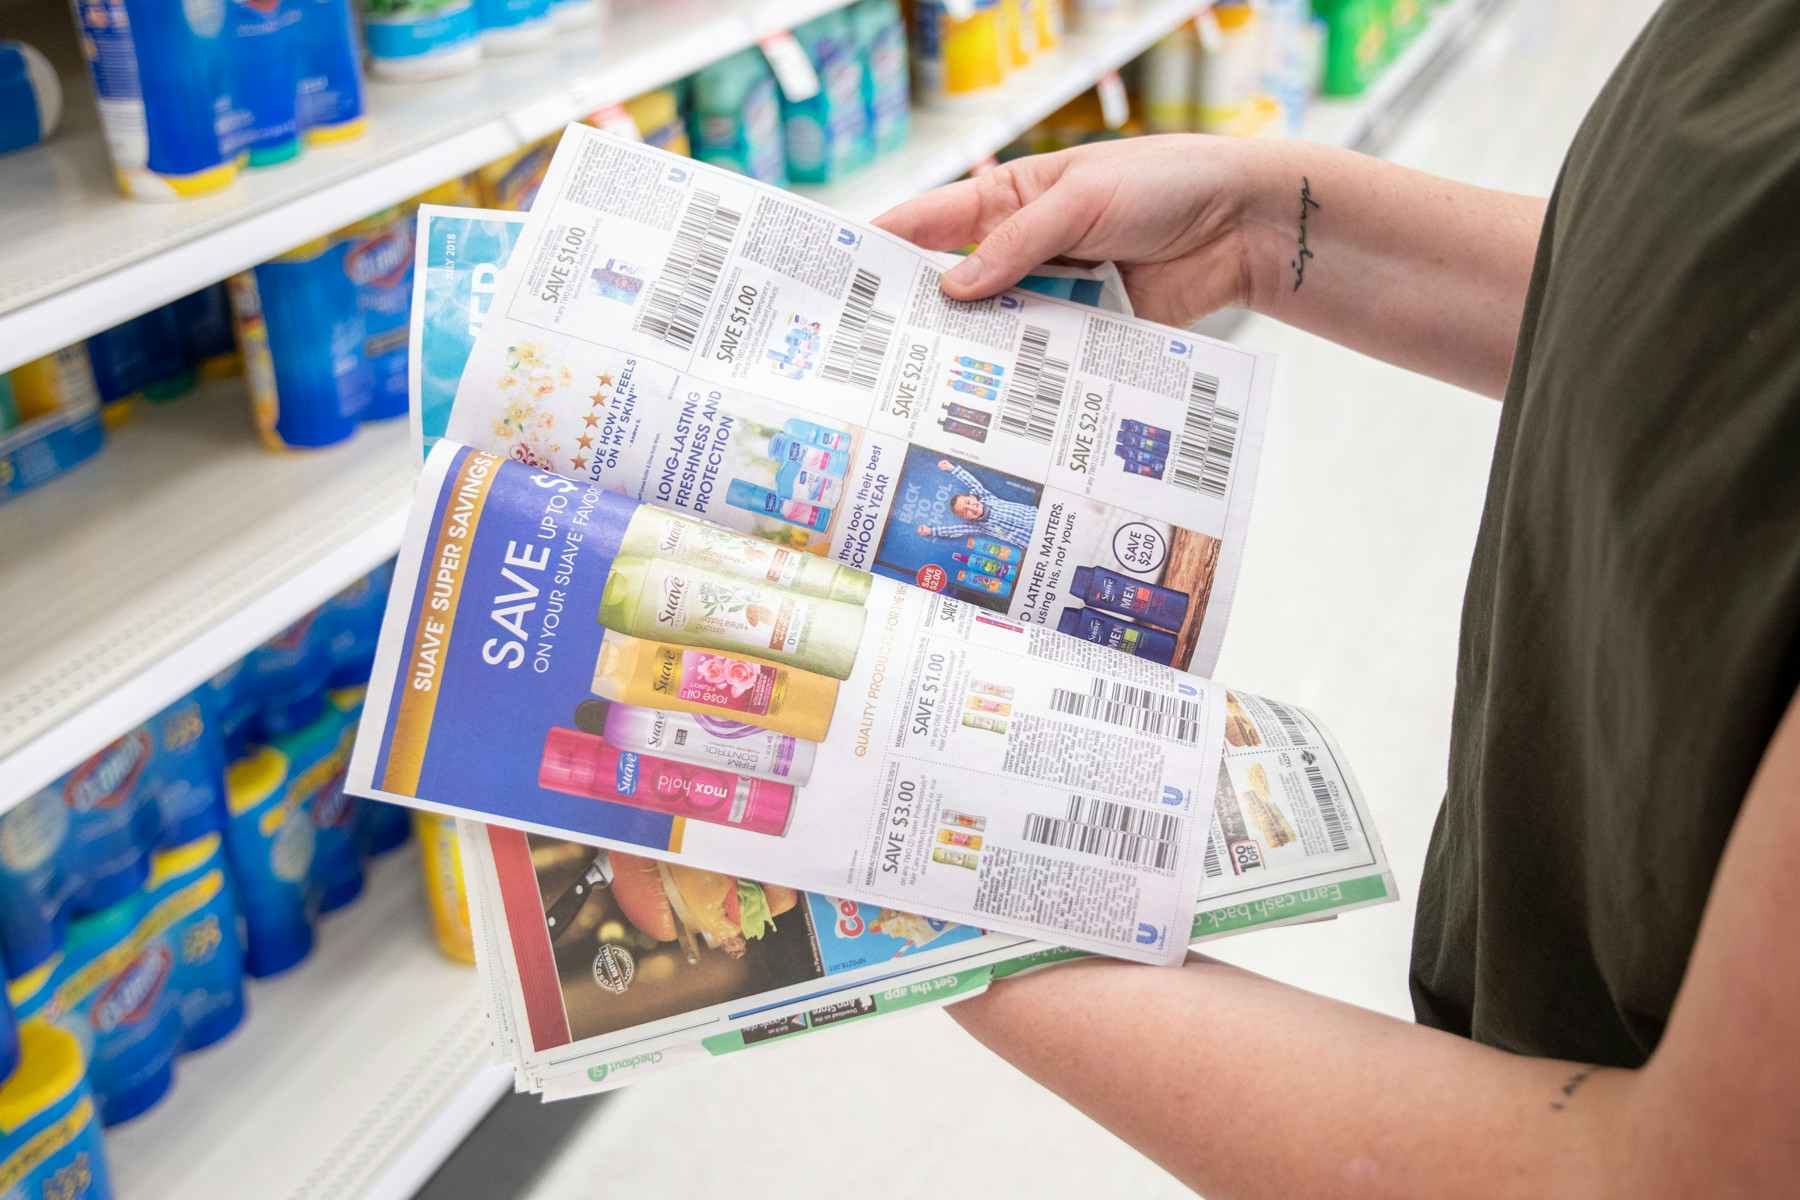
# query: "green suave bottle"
659, 533
669, 601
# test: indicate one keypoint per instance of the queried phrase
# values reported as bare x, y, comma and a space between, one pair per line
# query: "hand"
1168, 210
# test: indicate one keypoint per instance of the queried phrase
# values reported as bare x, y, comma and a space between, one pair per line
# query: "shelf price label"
1115, 109
793, 70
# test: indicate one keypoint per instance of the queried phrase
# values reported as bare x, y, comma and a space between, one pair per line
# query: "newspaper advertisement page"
559, 658
694, 337
615, 959
463, 250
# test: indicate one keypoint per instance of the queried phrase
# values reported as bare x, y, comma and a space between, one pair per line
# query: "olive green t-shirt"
1631, 630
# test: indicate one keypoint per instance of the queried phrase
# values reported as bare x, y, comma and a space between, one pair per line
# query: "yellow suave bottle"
737, 687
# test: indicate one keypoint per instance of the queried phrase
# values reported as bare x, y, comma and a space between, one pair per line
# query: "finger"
942, 219
1035, 234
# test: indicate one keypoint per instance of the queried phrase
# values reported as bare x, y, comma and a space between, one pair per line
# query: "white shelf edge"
88, 306
421, 1157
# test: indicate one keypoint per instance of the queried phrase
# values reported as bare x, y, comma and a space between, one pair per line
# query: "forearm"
1245, 1088
1423, 272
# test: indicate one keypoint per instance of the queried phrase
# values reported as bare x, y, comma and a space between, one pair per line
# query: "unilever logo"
1179, 348
105, 780
128, 998
1173, 796
848, 237
1148, 934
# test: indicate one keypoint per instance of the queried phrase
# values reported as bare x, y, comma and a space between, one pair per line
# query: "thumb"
1044, 228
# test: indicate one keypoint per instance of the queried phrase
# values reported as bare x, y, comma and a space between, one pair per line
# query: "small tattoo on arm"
1305, 252
1573, 1085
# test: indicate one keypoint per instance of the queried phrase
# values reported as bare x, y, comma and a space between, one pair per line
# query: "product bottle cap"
1080, 584
1070, 622
606, 528
570, 762
590, 716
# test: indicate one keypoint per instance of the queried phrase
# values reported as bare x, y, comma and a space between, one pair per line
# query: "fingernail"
967, 273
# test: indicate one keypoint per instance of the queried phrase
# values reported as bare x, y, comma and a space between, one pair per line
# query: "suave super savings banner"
501, 642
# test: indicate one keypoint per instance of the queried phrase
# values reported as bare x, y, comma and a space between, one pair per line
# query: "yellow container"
440, 858
964, 57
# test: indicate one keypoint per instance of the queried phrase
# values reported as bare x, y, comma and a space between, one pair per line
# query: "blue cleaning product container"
378, 257
35, 881
121, 367
265, 59
421, 39
112, 992
382, 827
349, 624
9, 1038
113, 821
286, 677
186, 778
168, 372
30, 97
337, 870
734, 117
331, 87
207, 337
269, 843
300, 326
513, 26
162, 74
190, 895
50, 1143
827, 135
880, 36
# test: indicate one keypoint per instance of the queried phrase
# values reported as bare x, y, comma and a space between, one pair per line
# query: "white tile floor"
1349, 601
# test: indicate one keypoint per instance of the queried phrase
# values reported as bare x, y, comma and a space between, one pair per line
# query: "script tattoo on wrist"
1304, 252
1573, 1085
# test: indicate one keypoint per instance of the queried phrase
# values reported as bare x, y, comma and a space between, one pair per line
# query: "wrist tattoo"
1304, 252
1573, 1085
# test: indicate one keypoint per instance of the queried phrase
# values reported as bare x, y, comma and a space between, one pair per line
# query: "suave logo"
625, 775
674, 600
379, 261
129, 997
105, 780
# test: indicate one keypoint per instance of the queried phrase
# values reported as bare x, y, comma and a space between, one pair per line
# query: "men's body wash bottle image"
735, 746
584, 765
737, 687
691, 606
658, 533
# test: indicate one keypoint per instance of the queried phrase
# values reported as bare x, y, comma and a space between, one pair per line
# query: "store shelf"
76, 257
946, 141
171, 554
1356, 121
353, 1075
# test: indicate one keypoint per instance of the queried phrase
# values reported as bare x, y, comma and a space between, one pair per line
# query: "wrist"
1267, 221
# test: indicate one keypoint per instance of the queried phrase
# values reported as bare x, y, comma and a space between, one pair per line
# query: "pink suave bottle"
584, 765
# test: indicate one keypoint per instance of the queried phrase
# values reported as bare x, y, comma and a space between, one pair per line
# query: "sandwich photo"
671, 903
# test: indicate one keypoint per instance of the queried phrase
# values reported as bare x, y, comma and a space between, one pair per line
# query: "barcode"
1139, 836
1033, 400
1290, 722
863, 333
679, 299
1210, 863
1155, 713
1208, 440
1328, 808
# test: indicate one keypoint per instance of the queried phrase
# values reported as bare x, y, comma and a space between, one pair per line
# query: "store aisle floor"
1349, 601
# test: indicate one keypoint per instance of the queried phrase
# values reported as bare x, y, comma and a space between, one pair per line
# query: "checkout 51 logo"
128, 998
104, 780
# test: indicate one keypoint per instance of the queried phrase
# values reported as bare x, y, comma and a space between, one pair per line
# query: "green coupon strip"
931, 991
